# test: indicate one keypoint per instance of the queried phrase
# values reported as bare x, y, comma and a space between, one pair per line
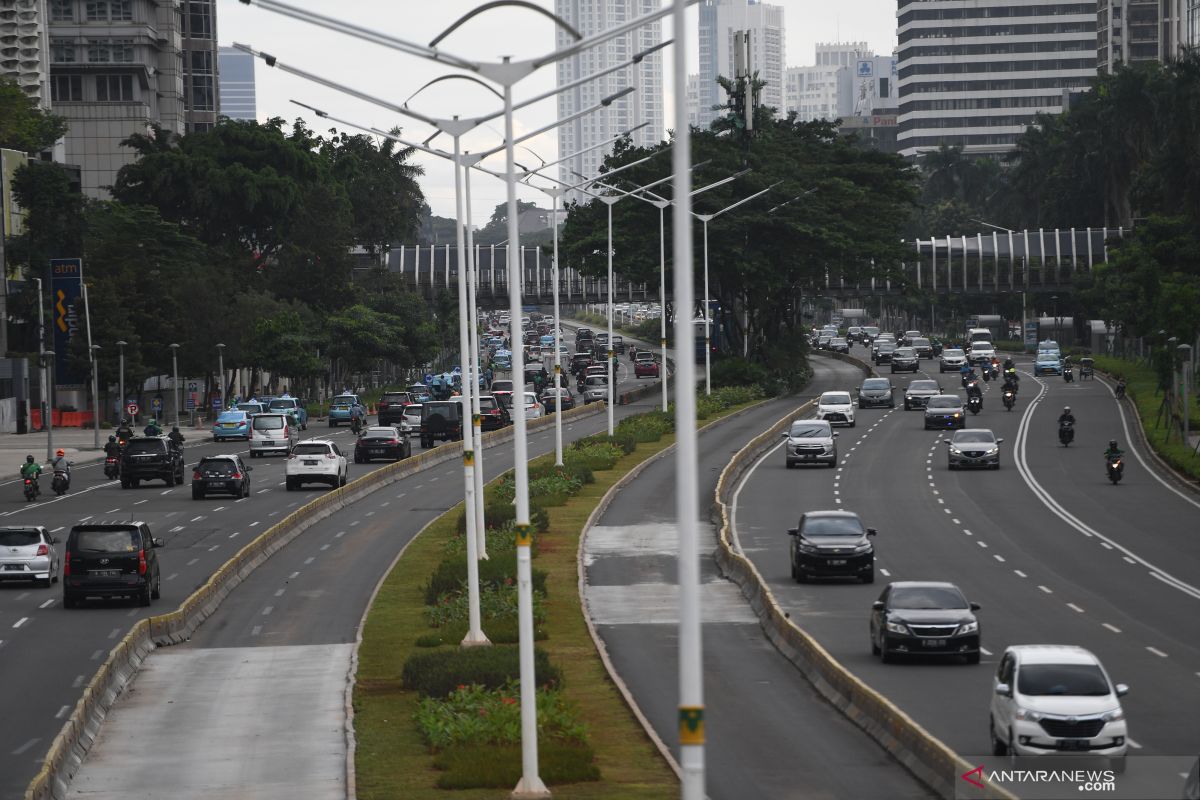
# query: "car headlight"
1028, 715
865, 547
897, 627
993, 450
957, 414
955, 451
807, 548
1115, 715
967, 627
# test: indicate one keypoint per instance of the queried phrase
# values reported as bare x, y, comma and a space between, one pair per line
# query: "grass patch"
1141, 385
393, 760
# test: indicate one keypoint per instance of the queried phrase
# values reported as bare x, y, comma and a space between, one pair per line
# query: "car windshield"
142, 447
118, 541
945, 402
926, 597
876, 383
835, 399
19, 538
232, 416
268, 422
952, 353
832, 526
808, 430
905, 351
310, 449
923, 386
1086, 680
983, 437
1047, 357
886, 347
217, 466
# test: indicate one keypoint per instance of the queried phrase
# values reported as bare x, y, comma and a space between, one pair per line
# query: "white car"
1056, 699
982, 352
836, 408
533, 409
952, 360
410, 422
316, 461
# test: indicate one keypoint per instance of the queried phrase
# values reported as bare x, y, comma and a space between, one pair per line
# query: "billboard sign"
66, 288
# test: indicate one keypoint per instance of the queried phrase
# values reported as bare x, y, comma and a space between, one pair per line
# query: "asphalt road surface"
1052, 551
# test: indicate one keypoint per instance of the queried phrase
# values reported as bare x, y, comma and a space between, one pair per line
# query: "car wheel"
800, 576
144, 596
179, 478
973, 658
852, 423
357, 459
999, 748
290, 485
344, 478
996, 465
874, 647
156, 592
125, 483
884, 655
951, 466
869, 577
44, 583
332, 424
788, 464
197, 493
69, 601
907, 407
136, 482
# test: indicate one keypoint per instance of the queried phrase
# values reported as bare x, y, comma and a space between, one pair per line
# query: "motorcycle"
1066, 433
112, 468
987, 374
61, 482
355, 426
1120, 390
967, 377
1069, 374
1116, 467
975, 404
1010, 399
994, 371
31, 489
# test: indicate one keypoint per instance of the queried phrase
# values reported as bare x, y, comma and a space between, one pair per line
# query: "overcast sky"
394, 76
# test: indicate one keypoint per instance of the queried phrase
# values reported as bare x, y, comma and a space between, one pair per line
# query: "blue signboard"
66, 288
156, 404
428, 379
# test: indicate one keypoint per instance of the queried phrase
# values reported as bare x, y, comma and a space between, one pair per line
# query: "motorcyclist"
973, 390
358, 415
113, 448
1011, 381
31, 469
60, 464
965, 372
1008, 364
125, 432
152, 429
175, 436
1113, 450
1066, 416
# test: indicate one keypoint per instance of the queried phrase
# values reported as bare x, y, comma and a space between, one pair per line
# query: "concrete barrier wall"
923, 754
81, 728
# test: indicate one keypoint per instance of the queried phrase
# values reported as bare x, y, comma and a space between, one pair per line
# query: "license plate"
105, 573
13, 568
375, 452
934, 642
837, 562
808, 455
310, 463
1071, 744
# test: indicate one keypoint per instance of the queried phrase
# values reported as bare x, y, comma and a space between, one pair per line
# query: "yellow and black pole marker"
691, 725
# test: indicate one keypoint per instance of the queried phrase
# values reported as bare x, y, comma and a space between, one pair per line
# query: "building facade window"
63, 51
203, 96
108, 10
114, 88
110, 51
62, 11
198, 18
66, 88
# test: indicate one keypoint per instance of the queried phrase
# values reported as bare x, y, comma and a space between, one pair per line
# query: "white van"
979, 335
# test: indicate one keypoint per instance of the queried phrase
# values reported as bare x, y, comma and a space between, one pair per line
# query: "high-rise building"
644, 105
1191, 26
237, 84
693, 100
1129, 31
812, 91
200, 64
979, 78
719, 20
25, 47
115, 68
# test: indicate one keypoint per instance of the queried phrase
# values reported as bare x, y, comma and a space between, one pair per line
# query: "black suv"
441, 419
151, 458
832, 544
225, 474
116, 559
391, 407
904, 359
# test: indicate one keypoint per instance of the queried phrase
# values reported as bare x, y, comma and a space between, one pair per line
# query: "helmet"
60, 452
1066, 409
1112, 443
175, 428
28, 459
112, 439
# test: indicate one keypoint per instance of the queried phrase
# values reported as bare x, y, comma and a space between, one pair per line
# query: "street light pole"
662, 297
1185, 351
221, 373
175, 378
121, 386
609, 201
45, 404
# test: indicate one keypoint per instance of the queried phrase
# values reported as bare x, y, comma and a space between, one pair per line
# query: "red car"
644, 366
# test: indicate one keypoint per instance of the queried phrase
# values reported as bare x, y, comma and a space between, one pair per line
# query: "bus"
713, 339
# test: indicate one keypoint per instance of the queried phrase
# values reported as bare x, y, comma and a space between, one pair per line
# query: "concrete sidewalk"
77, 442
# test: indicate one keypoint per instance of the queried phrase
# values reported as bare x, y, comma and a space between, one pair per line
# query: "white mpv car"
836, 408
1056, 699
316, 461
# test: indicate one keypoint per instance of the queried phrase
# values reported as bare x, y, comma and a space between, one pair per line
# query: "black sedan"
224, 474
381, 442
918, 393
945, 411
493, 414
551, 403
876, 392
883, 353
904, 359
832, 544
924, 618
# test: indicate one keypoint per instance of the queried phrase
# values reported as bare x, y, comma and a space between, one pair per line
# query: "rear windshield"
19, 538
386, 436
343, 400
310, 449
832, 526
487, 403
137, 447
394, 397
413, 410
115, 541
917, 342
219, 466
502, 386
279, 405
268, 422
232, 416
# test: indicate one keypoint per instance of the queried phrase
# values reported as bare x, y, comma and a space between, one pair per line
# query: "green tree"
23, 125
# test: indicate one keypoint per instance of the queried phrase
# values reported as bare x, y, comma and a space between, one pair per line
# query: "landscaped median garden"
431, 716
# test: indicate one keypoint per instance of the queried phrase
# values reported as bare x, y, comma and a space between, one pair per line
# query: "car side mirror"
793, 531
836, 434
1122, 689
877, 605
872, 532
249, 469
1003, 690
53, 540
158, 542
974, 606
784, 434
999, 441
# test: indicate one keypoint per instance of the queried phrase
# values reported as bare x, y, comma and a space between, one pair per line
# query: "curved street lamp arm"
499, 3
471, 78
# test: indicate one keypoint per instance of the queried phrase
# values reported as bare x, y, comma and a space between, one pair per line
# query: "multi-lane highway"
1050, 549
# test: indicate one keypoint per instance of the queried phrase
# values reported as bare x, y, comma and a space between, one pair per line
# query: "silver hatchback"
27, 554
273, 433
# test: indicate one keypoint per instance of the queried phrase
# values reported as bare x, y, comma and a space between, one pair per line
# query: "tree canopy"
23, 125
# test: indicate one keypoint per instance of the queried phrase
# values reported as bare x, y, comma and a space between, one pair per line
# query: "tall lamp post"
1185, 352
175, 378
1056, 333
221, 373
92, 348
121, 386
48, 366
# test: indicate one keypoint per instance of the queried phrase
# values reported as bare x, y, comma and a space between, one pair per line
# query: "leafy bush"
627, 443
451, 576
738, 372
577, 471
498, 513
648, 427
599, 456
439, 673
557, 484
499, 631
648, 330
495, 602
478, 715
501, 541
499, 766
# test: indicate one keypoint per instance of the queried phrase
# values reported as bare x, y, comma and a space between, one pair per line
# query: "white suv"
837, 408
1056, 699
316, 461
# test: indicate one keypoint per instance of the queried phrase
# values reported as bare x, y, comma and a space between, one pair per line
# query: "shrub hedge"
451, 576
441, 672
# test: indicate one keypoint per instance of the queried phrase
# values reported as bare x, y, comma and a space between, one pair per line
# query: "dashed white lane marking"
941, 501
1021, 574
219, 508
214, 547
935, 491
193, 561
235, 534
114, 633
168, 491
967, 532
1046, 589
85, 519
197, 519
256, 630
20, 622
1156, 651
1106, 545
352, 524
1128, 559
59, 528
261, 491
47, 604
1074, 607
176, 529
75, 684
173, 576
244, 499
884, 572
998, 557
399, 496
1112, 628
139, 502
434, 478
339, 534
369, 514
981, 543
273, 513
309, 560
112, 511
385, 504
62, 712
268, 610
293, 576
96, 655
26, 746
956, 521
252, 524
279, 592
325, 547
